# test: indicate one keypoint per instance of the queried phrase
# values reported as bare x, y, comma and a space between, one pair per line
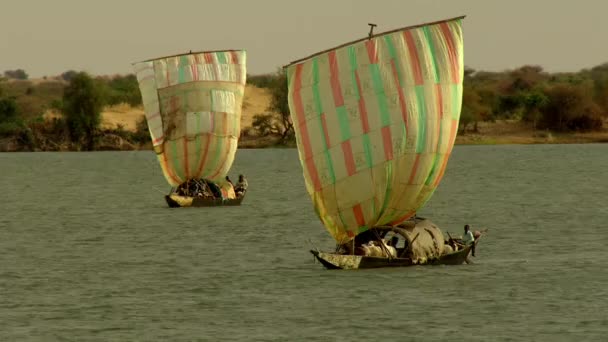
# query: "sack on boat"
429, 244
447, 249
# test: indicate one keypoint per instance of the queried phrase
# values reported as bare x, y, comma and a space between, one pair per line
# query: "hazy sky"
47, 37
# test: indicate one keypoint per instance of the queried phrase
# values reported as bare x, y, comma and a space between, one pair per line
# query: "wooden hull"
176, 201
334, 261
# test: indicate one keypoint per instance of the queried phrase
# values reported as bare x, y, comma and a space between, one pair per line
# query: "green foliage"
123, 89
68, 75
9, 128
142, 133
18, 74
8, 109
82, 105
533, 104
265, 124
569, 107
279, 104
10, 122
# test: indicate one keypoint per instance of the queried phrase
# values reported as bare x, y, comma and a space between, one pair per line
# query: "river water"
90, 252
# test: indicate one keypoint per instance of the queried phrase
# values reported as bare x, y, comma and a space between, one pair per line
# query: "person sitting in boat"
241, 186
229, 181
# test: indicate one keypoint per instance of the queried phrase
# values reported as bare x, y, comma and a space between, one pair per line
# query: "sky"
103, 37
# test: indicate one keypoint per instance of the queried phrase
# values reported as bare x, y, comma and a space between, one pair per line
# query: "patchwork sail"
375, 123
192, 104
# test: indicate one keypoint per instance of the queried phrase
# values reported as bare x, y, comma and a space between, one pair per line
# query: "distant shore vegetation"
63, 112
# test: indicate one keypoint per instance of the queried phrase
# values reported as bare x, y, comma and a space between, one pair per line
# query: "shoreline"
112, 142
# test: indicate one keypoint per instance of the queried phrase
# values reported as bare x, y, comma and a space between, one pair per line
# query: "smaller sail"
192, 103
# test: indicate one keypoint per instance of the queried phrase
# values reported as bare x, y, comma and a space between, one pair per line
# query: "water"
89, 252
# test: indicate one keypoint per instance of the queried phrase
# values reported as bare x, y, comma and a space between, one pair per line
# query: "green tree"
534, 103
68, 75
124, 89
471, 112
8, 109
18, 74
279, 104
570, 107
82, 105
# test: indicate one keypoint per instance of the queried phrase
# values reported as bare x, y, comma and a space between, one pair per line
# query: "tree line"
561, 102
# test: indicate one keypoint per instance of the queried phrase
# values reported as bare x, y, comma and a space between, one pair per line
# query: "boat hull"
335, 261
176, 201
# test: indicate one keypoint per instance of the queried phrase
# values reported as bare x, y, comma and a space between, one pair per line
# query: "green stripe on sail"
398, 66
387, 192
427, 198
431, 46
221, 57
393, 53
422, 116
319, 110
367, 147
315, 87
385, 115
183, 64
342, 220
434, 169
344, 123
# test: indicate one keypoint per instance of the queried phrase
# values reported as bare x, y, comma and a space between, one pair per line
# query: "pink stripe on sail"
335, 80
449, 38
387, 141
414, 59
414, 170
349, 160
325, 131
358, 211
362, 106
157, 140
372, 51
403, 218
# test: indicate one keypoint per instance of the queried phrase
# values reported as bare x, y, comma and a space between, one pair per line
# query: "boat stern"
336, 261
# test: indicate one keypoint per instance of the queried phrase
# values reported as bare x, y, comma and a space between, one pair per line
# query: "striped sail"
192, 103
375, 123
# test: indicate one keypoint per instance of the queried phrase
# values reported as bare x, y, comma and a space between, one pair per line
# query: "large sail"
192, 103
375, 123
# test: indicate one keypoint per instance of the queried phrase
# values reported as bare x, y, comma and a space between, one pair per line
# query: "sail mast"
374, 36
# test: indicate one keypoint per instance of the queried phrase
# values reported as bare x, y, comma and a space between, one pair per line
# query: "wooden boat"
405, 256
333, 261
177, 201
375, 122
193, 104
